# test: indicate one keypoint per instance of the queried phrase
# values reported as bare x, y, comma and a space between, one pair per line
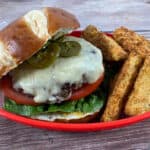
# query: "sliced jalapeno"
45, 57
54, 49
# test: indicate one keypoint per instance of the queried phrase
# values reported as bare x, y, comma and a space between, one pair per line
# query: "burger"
46, 72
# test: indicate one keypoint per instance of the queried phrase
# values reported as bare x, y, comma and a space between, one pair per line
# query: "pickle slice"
69, 48
45, 57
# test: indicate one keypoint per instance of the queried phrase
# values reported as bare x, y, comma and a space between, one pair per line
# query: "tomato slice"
19, 98
86, 89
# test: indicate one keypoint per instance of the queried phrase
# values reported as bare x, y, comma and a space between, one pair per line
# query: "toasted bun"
25, 36
73, 119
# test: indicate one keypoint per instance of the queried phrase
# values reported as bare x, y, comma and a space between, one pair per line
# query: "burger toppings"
45, 83
54, 48
90, 104
68, 110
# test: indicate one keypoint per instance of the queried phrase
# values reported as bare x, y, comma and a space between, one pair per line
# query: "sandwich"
48, 74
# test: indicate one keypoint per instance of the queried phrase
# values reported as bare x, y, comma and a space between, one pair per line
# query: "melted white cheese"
63, 116
43, 84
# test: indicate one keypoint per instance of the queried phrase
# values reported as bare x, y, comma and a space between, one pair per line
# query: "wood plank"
16, 136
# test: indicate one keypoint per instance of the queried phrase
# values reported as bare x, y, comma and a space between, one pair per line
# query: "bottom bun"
68, 118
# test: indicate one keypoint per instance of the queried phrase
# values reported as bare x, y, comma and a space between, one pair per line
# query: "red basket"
77, 127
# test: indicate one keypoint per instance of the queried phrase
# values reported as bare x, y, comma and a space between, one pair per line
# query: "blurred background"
105, 14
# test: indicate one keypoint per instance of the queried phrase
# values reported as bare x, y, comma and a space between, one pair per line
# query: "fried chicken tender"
139, 99
131, 41
110, 48
122, 87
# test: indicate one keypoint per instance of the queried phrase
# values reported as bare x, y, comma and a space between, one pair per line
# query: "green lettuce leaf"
24, 110
89, 104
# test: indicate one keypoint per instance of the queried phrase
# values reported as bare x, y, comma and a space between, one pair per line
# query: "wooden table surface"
107, 15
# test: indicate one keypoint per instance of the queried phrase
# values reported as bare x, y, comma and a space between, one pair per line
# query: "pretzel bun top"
25, 36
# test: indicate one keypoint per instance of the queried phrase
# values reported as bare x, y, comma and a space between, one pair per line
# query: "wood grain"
106, 14
16, 136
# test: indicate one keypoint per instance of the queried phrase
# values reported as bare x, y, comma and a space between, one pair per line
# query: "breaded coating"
132, 41
110, 49
122, 87
112, 82
139, 100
